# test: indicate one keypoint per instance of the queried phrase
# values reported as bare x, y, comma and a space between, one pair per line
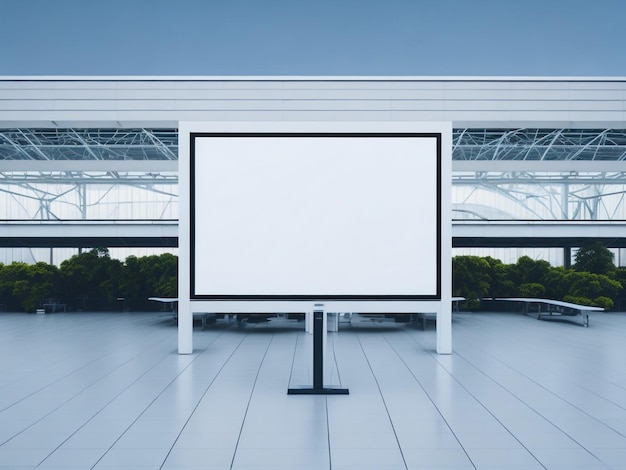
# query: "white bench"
554, 308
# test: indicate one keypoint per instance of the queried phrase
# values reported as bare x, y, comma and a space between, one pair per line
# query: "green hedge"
476, 277
90, 281
95, 281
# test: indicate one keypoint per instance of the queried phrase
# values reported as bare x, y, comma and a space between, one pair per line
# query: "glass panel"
538, 196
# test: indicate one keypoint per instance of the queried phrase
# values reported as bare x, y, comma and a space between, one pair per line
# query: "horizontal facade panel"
452, 82
314, 93
504, 166
155, 119
146, 166
90, 229
526, 229
464, 101
222, 94
529, 166
307, 81
304, 105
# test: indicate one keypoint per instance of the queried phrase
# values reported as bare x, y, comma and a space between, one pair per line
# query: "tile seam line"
581, 386
153, 401
293, 357
201, 397
495, 417
156, 364
428, 394
73, 396
380, 392
58, 380
524, 375
517, 398
256, 378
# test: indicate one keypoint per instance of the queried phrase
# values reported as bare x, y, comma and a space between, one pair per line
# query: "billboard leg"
318, 363
444, 328
185, 327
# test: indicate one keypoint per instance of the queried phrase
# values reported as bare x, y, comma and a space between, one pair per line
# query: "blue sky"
313, 37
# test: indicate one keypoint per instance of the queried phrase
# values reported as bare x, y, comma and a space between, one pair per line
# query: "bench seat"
554, 308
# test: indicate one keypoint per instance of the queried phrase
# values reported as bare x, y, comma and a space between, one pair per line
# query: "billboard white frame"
223, 165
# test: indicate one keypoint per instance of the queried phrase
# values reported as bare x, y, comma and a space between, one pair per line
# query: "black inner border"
194, 135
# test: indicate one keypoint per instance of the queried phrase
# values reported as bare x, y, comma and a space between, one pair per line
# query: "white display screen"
315, 216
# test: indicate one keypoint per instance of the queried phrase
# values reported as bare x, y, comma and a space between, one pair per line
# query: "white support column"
308, 322
444, 315
185, 316
444, 328
185, 327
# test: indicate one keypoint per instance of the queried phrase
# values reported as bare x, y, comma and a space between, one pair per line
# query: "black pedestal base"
318, 391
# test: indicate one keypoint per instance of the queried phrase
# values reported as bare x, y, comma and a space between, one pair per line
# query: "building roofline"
320, 78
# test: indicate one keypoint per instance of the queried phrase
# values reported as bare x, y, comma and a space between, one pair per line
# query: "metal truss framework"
540, 174
88, 144
130, 173
539, 144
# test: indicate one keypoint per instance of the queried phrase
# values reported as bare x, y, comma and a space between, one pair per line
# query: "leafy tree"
594, 258
25, 287
470, 279
500, 274
149, 276
528, 270
619, 275
131, 284
605, 302
556, 283
591, 286
43, 280
91, 279
160, 274
16, 284
532, 289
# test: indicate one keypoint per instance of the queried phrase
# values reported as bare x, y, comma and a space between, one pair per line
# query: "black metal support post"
567, 257
318, 363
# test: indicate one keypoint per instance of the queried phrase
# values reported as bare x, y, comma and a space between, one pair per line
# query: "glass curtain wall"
564, 193
61, 174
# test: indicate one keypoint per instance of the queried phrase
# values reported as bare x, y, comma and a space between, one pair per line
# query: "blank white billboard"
315, 216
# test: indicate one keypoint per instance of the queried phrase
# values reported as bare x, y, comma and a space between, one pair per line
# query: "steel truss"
88, 144
539, 144
584, 181
88, 173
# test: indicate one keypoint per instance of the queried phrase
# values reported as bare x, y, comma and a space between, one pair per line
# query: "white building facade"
92, 161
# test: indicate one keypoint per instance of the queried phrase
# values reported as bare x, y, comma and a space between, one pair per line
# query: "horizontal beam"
549, 166
307, 78
156, 233
35, 234
492, 166
90, 242
147, 166
537, 234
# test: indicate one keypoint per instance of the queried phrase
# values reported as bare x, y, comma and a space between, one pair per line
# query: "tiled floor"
108, 391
